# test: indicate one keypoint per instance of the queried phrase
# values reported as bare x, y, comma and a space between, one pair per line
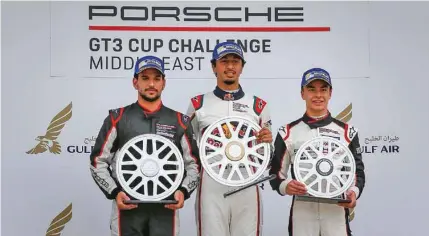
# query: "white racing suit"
312, 218
239, 214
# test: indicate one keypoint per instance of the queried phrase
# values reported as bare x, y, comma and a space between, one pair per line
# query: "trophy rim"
145, 156
348, 153
225, 159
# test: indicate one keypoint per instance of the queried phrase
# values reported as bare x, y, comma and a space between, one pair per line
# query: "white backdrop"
379, 68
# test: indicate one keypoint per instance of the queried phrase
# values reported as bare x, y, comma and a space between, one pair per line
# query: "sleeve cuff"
185, 192
356, 190
114, 193
282, 187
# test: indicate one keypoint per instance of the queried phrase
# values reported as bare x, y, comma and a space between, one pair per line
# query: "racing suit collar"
150, 113
313, 123
229, 96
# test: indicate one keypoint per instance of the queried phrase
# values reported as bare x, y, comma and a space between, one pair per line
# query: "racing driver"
239, 214
147, 115
314, 218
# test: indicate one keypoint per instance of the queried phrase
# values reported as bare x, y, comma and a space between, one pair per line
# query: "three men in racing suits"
241, 213
146, 116
312, 218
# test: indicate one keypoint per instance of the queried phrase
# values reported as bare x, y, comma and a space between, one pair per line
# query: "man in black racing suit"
146, 116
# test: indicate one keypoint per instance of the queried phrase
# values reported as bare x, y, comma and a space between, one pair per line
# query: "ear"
135, 83
302, 94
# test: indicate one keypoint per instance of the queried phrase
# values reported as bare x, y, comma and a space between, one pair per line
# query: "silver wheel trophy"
230, 154
149, 169
327, 167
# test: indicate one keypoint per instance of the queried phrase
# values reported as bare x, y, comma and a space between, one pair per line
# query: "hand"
178, 196
120, 198
352, 196
295, 187
264, 135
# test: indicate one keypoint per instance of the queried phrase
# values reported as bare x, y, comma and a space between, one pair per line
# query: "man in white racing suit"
239, 214
313, 218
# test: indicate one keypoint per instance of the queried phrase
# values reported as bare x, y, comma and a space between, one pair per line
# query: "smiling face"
149, 83
316, 96
228, 69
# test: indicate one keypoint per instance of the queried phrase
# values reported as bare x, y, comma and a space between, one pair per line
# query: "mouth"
318, 102
151, 90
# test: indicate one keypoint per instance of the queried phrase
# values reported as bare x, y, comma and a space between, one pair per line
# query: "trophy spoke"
222, 134
162, 148
213, 154
143, 182
220, 162
247, 133
133, 158
222, 170
309, 156
216, 138
254, 164
251, 139
231, 130
315, 150
132, 178
334, 183
307, 176
249, 172
240, 175
213, 147
231, 174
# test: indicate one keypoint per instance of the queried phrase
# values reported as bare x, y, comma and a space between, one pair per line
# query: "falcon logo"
49, 140
345, 115
58, 223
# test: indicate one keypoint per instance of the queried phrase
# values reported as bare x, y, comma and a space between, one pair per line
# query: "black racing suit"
312, 218
118, 128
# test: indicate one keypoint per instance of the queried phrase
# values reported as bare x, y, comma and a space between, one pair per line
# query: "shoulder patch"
197, 101
116, 114
183, 119
284, 131
351, 131
258, 105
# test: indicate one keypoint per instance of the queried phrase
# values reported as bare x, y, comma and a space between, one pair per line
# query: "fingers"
296, 188
352, 196
120, 202
124, 206
264, 135
180, 198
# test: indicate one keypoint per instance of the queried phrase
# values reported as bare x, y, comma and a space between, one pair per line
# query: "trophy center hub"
325, 167
234, 151
149, 168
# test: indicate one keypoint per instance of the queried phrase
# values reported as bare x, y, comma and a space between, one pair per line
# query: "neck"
316, 114
149, 106
227, 87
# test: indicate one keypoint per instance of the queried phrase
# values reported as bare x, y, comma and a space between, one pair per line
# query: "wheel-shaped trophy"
327, 167
149, 168
231, 155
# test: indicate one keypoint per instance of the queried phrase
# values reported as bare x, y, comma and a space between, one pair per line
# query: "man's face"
228, 69
317, 95
149, 84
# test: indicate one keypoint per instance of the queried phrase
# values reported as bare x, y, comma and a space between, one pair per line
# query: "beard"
229, 81
149, 99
